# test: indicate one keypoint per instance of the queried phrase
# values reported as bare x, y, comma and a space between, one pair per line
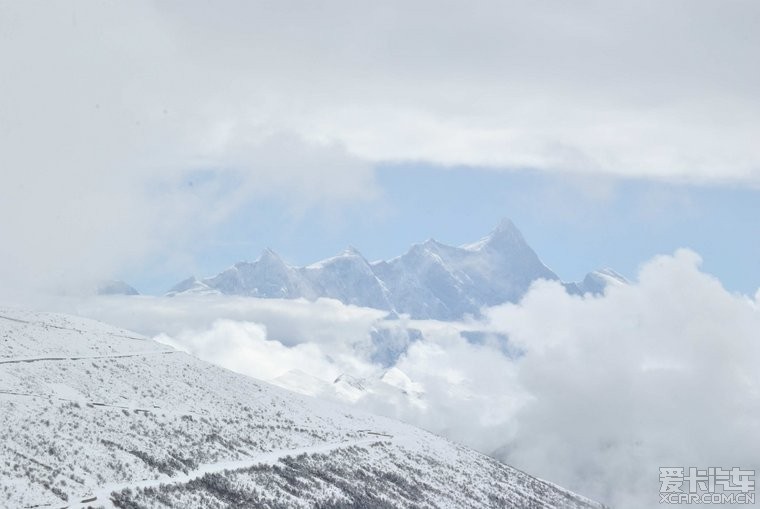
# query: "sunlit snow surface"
92, 415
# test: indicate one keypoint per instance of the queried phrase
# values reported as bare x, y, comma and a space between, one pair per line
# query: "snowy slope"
393, 387
431, 280
595, 282
349, 278
192, 285
96, 416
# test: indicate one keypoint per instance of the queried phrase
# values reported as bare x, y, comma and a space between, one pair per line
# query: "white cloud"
107, 122
634, 90
472, 391
659, 373
244, 347
326, 321
592, 393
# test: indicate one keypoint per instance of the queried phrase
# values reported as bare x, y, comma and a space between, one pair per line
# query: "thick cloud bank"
663, 372
593, 393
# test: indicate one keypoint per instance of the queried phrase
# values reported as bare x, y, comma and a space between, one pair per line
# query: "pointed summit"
421, 247
505, 234
352, 251
190, 286
505, 225
184, 285
116, 287
268, 253
268, 256
505, 228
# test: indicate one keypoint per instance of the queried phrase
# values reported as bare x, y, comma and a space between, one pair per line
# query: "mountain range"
430, 281
96, 416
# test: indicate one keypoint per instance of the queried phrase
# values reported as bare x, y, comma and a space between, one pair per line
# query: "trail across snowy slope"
96, 416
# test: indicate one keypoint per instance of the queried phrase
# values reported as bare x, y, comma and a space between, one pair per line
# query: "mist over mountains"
584, 391
430, 281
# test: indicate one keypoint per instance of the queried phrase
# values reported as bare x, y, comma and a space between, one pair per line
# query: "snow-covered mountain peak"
116, 287
185, 284
191, 286
505, 236
351, 251
350, 254
427, 249
596, 282
270, 257
430, 280
611, 275
505, 225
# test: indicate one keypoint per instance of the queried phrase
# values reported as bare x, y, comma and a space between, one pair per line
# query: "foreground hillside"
97, 416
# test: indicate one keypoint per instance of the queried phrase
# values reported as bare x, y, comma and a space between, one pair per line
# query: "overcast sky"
152, 140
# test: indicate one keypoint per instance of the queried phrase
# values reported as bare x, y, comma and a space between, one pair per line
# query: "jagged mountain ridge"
431, 280
94, 416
